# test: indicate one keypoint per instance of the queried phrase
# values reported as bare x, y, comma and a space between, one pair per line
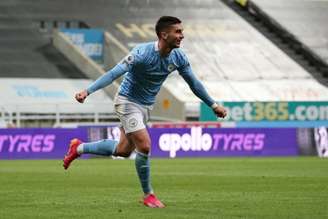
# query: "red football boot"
72, 153
153, 202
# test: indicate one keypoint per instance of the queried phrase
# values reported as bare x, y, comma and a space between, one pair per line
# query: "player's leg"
105, 147
108, 147
142, 142
133, 118
124, 147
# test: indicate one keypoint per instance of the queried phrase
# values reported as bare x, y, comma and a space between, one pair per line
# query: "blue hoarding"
91, 41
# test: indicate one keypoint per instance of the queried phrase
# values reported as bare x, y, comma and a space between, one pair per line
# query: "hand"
220, 111
81, 96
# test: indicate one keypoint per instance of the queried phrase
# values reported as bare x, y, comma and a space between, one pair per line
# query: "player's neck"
163, 49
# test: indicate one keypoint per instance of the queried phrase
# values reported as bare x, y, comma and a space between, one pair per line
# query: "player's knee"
123, 153
145, 148
142, 141
143, 145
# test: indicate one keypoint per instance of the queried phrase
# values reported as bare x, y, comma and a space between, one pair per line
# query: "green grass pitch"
191, 188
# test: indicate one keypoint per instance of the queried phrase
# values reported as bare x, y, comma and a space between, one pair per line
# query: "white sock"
80, 149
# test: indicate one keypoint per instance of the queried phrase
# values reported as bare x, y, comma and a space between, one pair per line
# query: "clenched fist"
219, 111
81, 96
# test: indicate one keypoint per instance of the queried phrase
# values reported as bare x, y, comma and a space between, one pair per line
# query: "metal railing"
16, 116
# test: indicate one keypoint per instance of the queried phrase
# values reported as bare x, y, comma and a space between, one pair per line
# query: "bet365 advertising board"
272, 114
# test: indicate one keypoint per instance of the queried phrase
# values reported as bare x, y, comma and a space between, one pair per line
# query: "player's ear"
164, 35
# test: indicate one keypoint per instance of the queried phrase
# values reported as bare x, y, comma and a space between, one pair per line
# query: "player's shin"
104, 147
143, 169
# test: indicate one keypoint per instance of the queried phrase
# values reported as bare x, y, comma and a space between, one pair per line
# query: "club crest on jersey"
170, 67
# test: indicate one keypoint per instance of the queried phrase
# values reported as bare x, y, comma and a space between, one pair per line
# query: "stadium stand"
301, 23
28, 60
25, 51
234, 60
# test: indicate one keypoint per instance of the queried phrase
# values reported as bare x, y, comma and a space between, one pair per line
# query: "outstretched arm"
198, 89
102, 81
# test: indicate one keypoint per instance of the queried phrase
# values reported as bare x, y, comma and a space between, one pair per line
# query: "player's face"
174, 35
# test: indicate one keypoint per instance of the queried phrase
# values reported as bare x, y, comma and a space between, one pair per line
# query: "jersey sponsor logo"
171, 67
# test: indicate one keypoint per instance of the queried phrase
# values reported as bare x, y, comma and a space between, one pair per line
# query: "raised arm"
107, 78
121, 68
198, 89
102, 81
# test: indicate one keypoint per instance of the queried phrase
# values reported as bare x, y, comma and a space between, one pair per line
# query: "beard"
174, 44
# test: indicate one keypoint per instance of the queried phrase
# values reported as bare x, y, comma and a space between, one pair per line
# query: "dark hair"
164, 22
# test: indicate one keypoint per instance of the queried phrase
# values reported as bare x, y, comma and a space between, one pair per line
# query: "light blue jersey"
146, 71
